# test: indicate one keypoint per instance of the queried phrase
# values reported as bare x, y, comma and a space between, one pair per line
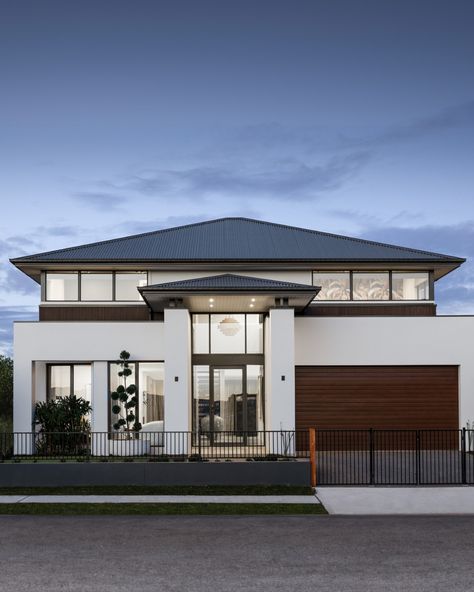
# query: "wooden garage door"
383, 397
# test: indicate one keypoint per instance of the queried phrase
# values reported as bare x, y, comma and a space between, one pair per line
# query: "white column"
22, 402
39, 382
280, 373
100, 409
177, 387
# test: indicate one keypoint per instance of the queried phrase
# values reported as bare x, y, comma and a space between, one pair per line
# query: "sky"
347, 116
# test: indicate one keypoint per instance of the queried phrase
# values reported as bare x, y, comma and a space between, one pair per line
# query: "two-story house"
241, 325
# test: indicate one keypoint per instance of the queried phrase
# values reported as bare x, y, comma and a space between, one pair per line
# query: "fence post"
463, 457
312, 455
418, 459
371, 456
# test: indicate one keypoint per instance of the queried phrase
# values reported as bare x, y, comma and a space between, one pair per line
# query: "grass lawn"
162, 490
160, 509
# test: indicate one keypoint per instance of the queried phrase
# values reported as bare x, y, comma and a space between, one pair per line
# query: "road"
233, 553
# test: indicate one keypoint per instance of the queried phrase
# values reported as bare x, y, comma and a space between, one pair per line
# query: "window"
334, 285
410, 286
126, 284
149, 380
69, 379
227, 333
62, 286
371, 286
96, 286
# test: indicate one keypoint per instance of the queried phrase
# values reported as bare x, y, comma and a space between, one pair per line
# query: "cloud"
284, 179
448, 118
9, 314
100, 200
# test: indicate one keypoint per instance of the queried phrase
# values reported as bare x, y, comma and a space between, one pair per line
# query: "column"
177, 386
22, 404
280, 378
100, 409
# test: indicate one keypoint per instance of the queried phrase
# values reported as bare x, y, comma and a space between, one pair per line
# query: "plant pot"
129, 447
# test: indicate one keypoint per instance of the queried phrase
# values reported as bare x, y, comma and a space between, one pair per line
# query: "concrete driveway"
233, 554
397, 500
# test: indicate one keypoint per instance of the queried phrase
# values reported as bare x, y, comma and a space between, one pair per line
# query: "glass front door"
228, 403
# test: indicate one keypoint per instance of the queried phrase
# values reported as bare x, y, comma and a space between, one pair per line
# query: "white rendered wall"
279, 363
51, 342
368, 341
177, 387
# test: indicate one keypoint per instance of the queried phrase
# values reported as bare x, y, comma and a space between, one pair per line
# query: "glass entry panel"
227, 403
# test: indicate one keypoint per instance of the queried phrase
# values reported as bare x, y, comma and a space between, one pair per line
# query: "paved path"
236, 553
158, 499
397, 500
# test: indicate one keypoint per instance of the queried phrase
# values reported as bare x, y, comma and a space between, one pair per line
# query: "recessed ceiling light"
252, 305
211, 306
253, 299
211, 299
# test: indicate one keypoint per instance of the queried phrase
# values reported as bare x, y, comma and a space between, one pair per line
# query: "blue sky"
355, 117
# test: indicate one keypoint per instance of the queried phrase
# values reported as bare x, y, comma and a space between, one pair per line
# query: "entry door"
229, 410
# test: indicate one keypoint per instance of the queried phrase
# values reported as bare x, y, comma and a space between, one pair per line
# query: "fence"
84, 446
393, 457
338, 457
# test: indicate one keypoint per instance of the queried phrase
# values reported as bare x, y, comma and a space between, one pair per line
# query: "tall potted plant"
126, 440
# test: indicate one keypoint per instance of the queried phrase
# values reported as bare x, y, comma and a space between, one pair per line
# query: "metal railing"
394, 457
159, 446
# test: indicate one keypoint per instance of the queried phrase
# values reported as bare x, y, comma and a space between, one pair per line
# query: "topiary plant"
124, 400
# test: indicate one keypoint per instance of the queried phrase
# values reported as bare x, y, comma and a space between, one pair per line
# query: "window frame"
210, 353
390, 272
136, 382
71, 365
82, 272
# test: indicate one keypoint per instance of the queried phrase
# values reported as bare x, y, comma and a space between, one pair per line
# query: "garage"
382, 397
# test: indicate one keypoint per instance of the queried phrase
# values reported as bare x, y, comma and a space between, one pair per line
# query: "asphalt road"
226, 553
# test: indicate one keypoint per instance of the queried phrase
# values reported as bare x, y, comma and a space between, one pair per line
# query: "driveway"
228, 553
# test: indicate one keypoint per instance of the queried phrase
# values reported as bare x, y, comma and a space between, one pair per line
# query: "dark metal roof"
229, 281
235, 239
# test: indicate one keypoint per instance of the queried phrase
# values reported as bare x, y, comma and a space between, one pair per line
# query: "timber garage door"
383, 397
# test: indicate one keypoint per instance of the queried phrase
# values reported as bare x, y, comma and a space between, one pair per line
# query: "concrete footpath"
397, 500
158, 499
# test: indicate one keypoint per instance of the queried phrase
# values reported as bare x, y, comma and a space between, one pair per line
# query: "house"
237, 325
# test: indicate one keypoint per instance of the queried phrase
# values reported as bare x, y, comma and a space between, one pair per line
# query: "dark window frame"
136, 382
210, 353
390, 272
71, 376
79, 274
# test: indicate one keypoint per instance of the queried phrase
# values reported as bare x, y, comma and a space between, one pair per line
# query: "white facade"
289, 342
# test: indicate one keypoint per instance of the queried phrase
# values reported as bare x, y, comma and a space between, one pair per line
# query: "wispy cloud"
100, 200
285, 179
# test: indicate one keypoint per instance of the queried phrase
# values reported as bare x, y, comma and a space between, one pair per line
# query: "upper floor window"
62, 286
372, 286
410, 286
95, 286
334, 285
126, 284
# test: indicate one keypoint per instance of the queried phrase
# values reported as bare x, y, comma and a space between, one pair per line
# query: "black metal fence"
395, 457
342, 457
159, 446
